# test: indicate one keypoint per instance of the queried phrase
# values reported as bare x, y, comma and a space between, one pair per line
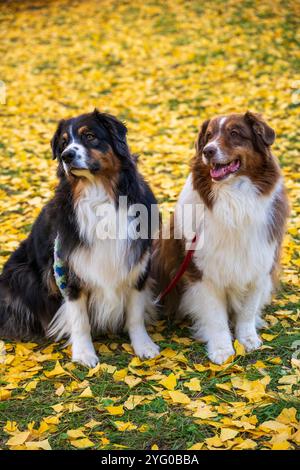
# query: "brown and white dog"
237, 183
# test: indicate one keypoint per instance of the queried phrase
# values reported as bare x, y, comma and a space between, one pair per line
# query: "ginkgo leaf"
38, 445
115, 410
58, 370
133, 401
92, 424
227, 433
132, 381
193, 385
75, 433
82, 443
18, 438
4, 394
197, 446
87, 393
239, 348
179, 397
169, 382
125, 426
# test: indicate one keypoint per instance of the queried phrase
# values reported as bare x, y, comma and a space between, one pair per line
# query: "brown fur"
167, 257
252, 147
109, 174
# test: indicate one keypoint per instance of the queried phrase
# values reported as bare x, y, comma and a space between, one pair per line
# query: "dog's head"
91, 145
238, 144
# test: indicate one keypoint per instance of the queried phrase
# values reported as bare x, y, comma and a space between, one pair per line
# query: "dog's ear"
264, 135
117, 131
200, 141
55, 140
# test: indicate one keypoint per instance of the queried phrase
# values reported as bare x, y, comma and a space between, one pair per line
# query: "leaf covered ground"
162, 66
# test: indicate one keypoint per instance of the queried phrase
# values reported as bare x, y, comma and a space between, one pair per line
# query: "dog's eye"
89, 136
234, 133
208, 135
64, 143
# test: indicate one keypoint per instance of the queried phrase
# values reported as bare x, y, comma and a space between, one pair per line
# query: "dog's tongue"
220, 171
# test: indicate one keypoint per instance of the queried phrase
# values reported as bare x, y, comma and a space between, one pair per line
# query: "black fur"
29, 297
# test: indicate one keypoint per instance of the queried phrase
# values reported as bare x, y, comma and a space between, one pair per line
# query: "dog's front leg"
206, 304
246, 317
80, 332
135, 323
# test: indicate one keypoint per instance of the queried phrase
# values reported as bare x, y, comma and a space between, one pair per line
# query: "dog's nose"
209, 151
68, 155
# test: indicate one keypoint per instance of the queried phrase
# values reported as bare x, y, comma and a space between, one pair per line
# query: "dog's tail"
17, 320
26, 308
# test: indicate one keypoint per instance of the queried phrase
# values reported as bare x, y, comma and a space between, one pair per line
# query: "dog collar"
58, 268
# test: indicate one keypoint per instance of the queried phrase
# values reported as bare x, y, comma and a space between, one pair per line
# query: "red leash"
183, 267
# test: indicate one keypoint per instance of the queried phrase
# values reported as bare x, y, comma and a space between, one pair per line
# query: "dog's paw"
85, 358
145, 348
250, 341
220, 354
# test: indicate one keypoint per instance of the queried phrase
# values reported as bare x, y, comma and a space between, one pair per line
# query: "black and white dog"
88, 232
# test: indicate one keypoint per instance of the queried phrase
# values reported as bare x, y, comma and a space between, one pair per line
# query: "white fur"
235, 258
104, 268
215, 143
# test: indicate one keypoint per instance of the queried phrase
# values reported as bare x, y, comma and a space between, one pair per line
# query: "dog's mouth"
220, 171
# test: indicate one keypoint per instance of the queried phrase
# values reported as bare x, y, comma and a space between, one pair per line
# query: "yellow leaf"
75, 433
246, 444
132, 381
31, 386
73, 408
127, 348
193, 385
125, 426
197, 446
38, 445
283, 445
227, 434
273, 426
133, 401
58, 408
203, 411
4, 394
115, 410
108, 368
103, 349
143, 428
169, 382
179, 397
18, 438
289, 379
214, 442
87, 393
104, 441
60, 390
94, 371
296, 437
200, 367
287, 416
268, 337
239, 348
10, 427
92, 424
51, 420
82, 443
120, 375
58, 370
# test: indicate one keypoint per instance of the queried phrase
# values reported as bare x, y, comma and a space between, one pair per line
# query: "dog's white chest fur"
103, 265
235, 248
